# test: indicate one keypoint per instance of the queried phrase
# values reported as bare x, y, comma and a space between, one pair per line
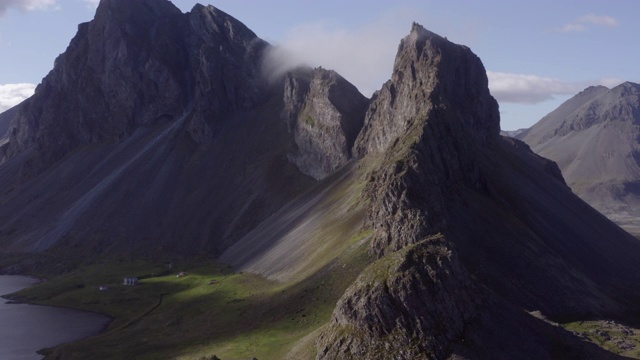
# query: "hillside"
311, 222
594, 139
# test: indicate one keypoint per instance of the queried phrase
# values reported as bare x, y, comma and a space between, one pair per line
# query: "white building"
130, 281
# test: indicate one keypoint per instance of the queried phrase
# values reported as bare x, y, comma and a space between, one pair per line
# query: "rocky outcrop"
176, 147
174, 114
425, 124
325, 113
138, 64
225, 60
435, 164
422, 137
130, 66
6, 118
430, 73
410, 304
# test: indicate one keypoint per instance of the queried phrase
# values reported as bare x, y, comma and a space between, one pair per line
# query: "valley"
214, 209
212, 310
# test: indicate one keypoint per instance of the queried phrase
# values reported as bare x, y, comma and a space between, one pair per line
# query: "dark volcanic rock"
176, 141
139, 63
437, 104
325, 113
224, 59
177, 146
514, 237
430, 74
6, 118
130, 65
408, 305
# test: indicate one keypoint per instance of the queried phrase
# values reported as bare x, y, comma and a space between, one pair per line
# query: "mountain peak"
223, 23
419, 34
627, 88
430, 73
124, 9
594, 88
629, 84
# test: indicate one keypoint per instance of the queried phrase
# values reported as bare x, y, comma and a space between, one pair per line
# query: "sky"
537, 53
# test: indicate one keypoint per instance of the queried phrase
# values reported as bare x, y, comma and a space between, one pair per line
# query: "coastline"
13, 298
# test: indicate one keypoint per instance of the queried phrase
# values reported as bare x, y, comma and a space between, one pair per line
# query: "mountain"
169, 102
180, 146
594, 138
5, 122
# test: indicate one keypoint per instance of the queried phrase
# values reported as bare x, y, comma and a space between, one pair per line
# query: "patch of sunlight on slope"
306, 234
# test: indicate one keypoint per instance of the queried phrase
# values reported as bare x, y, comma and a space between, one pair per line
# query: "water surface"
24, 328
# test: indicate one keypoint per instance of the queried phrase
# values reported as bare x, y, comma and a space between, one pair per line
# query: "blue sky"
537, 53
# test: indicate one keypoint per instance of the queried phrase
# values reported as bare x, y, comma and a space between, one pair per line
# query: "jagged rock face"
130, 66
193, 180
441, 167
225, 57
429, 73
594, 138
325, 113
426, 122
419, 293
139, 63
166, 100
423, 136
6, 118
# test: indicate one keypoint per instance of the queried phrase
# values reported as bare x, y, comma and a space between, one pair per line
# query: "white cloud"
602, 20
583, 23
25, 5
364, 55
92, 3
534, 89
528, 89
13, 94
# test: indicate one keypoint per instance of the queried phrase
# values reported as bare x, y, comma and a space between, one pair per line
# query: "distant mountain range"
158, 135
595, 139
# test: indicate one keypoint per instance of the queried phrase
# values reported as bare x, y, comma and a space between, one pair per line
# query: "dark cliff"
160, 138
176, 123
325, 112
471, 229
139, 63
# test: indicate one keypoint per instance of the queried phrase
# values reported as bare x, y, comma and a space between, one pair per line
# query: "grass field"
210, 311
614, 337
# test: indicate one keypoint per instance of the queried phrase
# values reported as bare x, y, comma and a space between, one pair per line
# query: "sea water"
25, 328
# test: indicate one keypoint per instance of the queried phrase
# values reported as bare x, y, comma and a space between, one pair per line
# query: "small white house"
130, 281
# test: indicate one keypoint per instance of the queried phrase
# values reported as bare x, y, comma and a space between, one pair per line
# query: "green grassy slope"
211, 310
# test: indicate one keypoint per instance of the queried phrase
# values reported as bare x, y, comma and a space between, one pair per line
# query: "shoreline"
14, 299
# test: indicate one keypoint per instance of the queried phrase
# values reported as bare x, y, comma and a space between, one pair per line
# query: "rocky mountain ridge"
427, 191
469, 232
594, 139
166, 97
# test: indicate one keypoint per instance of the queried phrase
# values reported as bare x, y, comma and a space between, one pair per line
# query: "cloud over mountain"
13, 94
363, 54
